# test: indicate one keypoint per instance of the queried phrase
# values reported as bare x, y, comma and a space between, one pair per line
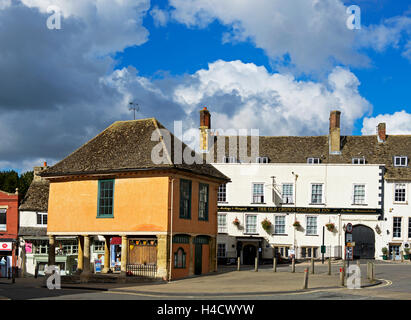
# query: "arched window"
180, 258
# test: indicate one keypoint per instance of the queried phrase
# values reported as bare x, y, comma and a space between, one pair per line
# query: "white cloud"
5, 4
397, 123
312, 32
160, 17
243, 95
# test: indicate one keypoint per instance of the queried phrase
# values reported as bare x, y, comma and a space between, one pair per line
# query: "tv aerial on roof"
135, 107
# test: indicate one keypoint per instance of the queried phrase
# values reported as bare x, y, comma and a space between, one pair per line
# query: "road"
396, 285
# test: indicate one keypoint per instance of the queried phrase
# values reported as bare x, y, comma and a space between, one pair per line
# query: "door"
364, 239
249, 254
198, 259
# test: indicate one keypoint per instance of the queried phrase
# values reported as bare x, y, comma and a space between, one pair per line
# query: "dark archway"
364, 238
249, 254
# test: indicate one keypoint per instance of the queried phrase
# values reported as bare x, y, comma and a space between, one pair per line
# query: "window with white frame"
222, 223
279, 225
262, 160
396, 227
400, 192
98, 246
358, 160
359, 194
3, 219
230, 159
317, 193
400, 161
288, 193
222, 193
251, 224
258, 192
313, 160
221, 250
41, 218
309, 252
311, 226
282, 251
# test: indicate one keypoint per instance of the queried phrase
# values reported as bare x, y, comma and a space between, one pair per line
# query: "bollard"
342, 276
238, 263
358, 263
305, 283
393, 255
275, 264
329, 266
312, 265
256, 264
293, 265
372, 271
402, 256
368, 270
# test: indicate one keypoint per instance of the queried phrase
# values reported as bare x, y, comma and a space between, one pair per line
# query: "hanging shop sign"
6, 246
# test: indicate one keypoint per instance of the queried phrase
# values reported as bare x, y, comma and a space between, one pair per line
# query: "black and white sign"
348, 228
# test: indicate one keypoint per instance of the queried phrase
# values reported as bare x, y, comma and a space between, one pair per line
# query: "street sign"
348, 228
348, 237
350, 244
322, 249
5, 246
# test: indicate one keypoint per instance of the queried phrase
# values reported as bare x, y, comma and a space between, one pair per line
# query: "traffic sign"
348, 237
348, 229
350, 244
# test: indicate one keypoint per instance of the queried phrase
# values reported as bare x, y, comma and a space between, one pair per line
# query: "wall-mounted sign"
5, 246
298, 210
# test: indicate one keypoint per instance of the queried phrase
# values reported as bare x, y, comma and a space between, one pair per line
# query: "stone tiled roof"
297, 149
37, 197
32, 231
125, 146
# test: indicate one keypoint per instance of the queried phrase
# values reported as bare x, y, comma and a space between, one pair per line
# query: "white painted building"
317, 181
313, 194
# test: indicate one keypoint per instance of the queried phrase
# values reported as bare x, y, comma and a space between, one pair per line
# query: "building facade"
9, 203
320, 181
157, 219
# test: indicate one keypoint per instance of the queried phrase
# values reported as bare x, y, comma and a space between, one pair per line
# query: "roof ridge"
156, 125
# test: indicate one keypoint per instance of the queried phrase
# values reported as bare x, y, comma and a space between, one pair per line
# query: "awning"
115, 240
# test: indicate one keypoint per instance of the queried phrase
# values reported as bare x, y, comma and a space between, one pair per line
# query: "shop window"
180, 259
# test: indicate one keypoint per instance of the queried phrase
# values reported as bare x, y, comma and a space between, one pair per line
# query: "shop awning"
115, 240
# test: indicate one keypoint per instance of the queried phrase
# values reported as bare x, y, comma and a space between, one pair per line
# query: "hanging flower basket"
266, 224
330, 227
297, 224
236, 222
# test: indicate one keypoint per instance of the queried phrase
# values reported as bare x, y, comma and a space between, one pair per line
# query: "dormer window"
400, 161
229, 160
262, 160
313, 160
358, 160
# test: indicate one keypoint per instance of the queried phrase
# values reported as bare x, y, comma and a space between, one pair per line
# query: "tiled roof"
37, 197
125, 146
297, 149
32, 231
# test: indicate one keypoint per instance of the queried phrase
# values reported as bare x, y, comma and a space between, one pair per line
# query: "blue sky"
267, 64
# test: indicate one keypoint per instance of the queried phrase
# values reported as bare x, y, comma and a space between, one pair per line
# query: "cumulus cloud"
396, 123
53, 95
308, 36
244, 95
160, 17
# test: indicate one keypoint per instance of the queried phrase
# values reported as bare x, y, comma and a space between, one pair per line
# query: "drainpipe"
171, 229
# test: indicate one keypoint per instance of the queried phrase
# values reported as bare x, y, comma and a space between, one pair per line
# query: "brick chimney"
382, 135
37, 170
205, 125
334, 136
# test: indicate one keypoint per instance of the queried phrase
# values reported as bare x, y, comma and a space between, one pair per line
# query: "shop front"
6, 257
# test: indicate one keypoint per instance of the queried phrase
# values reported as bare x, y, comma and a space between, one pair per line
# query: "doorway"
249, 254
364, 239
198, 259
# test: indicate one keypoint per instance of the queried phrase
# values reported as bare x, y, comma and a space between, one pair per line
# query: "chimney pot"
382, 135
45, 164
